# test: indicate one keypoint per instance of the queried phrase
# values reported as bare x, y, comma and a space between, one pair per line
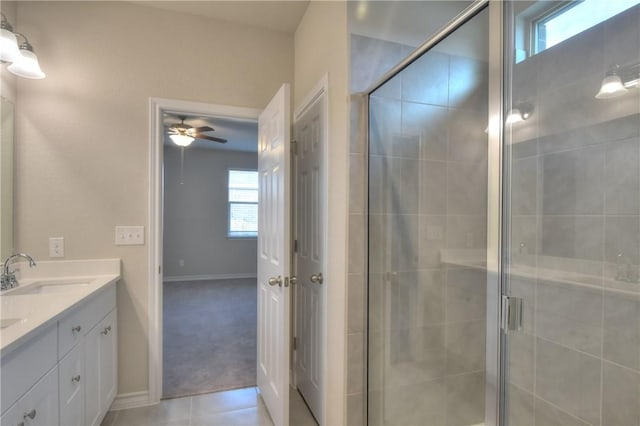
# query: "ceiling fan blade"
210, 138
203, 129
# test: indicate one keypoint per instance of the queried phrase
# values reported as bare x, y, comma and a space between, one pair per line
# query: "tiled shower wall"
428, 168
427, 207
370, 59
575, 226
575, 206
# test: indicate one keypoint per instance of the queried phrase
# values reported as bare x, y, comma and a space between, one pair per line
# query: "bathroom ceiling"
242, 135
282, 16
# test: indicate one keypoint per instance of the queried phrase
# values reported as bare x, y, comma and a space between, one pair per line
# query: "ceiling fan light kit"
183, 134
181, 140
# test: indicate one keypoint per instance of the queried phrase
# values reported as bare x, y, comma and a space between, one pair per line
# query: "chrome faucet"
8, 278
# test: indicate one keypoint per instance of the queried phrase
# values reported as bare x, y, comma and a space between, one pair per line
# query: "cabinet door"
92, 352
39, 406
71, 386
108, 361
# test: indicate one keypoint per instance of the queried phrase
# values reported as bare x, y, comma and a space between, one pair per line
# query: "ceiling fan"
183, 134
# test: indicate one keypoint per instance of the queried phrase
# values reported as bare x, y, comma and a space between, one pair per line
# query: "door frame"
320, 92
157, 106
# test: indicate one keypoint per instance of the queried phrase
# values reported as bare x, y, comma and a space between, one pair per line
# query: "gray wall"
195, 214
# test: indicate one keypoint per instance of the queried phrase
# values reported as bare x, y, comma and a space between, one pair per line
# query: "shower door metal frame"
495, 397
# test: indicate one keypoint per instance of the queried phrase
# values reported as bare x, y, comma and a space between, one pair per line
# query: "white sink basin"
6, 322
50, 287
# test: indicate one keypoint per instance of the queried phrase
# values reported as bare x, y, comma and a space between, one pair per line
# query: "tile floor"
229, 408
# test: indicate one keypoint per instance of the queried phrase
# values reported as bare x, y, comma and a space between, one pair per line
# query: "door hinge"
294, 147
295, 343
512, 313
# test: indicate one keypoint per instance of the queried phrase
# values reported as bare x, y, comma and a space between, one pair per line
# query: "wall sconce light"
618, 81
24, 62
9, 51
519, 112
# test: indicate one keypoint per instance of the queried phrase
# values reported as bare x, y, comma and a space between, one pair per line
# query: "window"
243, 204
573, 18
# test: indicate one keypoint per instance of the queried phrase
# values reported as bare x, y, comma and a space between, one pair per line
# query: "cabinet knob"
106, 330
31, 414
76, 329
75, 379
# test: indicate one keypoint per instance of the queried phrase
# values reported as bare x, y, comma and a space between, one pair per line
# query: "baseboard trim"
124, 401
208, 277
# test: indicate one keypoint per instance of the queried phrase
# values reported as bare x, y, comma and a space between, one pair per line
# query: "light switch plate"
129, 235
56, 247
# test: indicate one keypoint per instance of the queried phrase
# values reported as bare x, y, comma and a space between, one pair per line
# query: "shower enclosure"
504, 221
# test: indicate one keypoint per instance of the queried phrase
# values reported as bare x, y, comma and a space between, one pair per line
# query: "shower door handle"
512, 313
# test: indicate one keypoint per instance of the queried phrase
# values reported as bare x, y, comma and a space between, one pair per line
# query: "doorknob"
317, 278
275, 281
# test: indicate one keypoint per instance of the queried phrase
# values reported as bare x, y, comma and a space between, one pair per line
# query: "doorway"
209, 254
158, 269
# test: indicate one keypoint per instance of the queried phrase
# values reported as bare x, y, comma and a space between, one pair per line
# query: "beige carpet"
209, 336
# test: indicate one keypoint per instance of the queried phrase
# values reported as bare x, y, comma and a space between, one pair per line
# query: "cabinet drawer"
23, 367
82, 319
101, 305
71, 328
71, 376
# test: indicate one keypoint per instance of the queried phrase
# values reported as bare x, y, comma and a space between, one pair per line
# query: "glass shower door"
428, 236
572, 214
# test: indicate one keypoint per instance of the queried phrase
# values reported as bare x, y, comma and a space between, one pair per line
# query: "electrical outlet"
129, 235
56, 247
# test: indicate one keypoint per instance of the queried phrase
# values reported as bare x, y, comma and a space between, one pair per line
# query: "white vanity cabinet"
72, 379
95, 357
38, 407
101, 368
66, 373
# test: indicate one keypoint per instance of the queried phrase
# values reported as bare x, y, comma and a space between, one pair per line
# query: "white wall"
82, 133
321, 46
195, 214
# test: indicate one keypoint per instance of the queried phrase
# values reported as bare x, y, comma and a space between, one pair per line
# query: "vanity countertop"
47, 292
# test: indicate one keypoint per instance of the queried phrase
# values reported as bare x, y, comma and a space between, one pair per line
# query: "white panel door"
274, 256
310, 207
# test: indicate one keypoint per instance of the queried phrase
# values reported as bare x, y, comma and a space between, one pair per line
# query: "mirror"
6, 177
